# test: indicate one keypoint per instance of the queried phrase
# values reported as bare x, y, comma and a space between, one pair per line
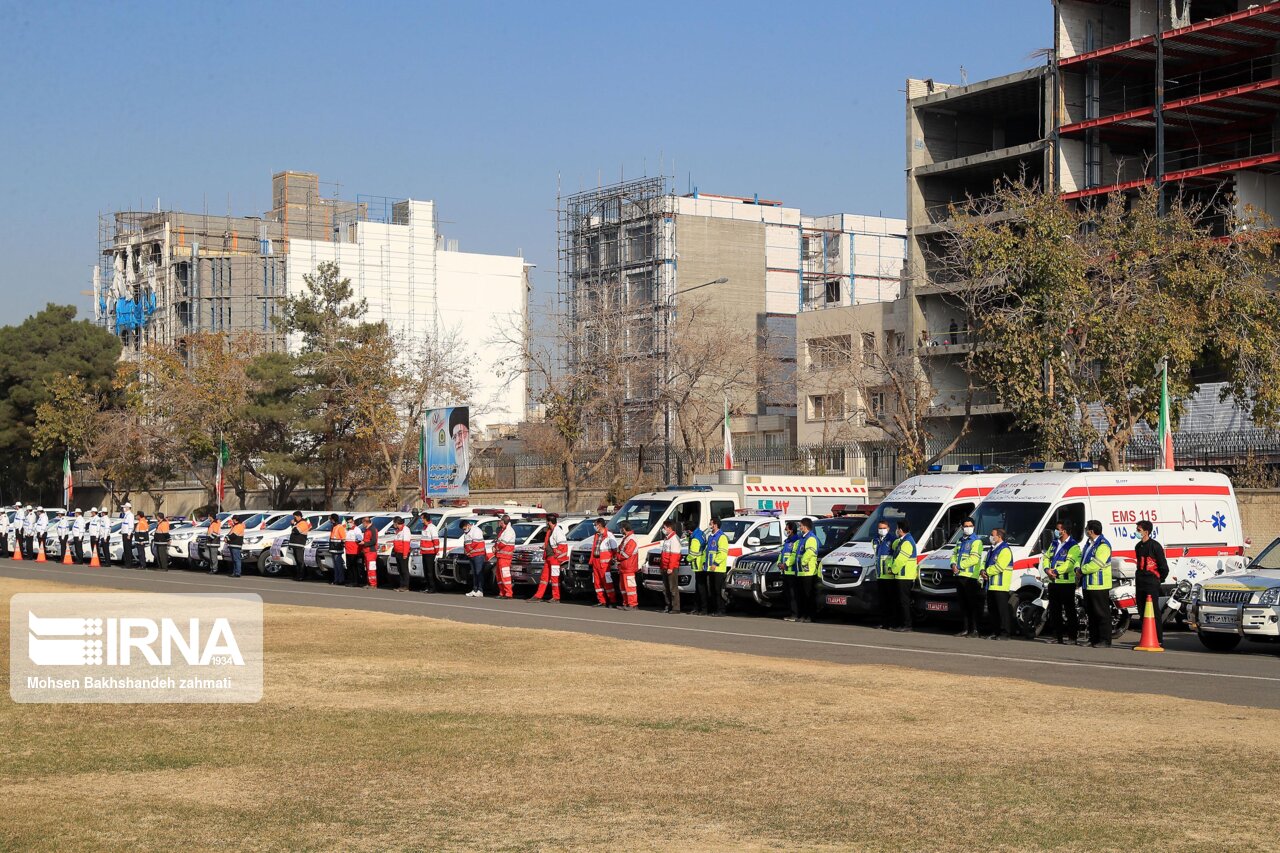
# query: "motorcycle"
1031, 615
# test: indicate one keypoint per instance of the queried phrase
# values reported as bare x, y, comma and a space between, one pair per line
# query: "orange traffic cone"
1150, 641
66, 556
93, 560
40, 558
17, 551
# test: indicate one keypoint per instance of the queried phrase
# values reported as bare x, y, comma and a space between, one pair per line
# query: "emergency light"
1082, 465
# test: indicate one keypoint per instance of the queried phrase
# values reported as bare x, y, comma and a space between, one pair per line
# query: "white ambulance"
933, 504
1194, 513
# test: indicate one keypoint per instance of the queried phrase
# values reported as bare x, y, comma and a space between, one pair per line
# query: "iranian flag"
1165, 431
68, 487
728, 438
220, 477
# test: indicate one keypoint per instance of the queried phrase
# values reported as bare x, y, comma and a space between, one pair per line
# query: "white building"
421, 285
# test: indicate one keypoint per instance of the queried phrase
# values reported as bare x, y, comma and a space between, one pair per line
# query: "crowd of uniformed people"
984, 575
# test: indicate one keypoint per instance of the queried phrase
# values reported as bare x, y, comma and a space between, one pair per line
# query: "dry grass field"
381, 732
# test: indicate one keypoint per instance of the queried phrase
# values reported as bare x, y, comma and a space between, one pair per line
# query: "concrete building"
652, 254
1183, 93
165, 275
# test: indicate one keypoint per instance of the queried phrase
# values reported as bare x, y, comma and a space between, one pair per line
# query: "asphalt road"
1249, 676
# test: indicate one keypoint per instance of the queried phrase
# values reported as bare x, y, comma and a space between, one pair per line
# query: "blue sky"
480, 106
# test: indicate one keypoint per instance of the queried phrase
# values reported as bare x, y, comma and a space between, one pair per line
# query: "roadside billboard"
444, 453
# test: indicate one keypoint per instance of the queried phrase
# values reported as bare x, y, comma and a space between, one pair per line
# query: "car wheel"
1218, 642
266, 568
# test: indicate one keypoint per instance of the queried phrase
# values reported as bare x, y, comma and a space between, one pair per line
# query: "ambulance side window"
769, 534
1072, 515
722, 509
689, 514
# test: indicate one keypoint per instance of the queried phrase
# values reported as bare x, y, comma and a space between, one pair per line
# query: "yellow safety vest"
1000, 568
1097, 567
968, 557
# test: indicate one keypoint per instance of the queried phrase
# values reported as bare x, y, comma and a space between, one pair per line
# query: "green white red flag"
1165, 431
224, 456
68, 487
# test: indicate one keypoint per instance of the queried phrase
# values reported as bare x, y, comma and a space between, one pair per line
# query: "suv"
526, 564
758, 578
260, 546
1243, 604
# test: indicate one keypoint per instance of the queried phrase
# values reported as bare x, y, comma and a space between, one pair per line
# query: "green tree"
33, 354
1075, 308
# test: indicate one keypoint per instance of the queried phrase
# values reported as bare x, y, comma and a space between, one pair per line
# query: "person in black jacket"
298, 530
1153, 568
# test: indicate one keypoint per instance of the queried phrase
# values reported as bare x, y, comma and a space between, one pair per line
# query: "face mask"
968, 531
882, 532
1057, 534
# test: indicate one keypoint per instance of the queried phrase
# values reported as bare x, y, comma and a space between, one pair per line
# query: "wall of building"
423, 291
1260, 192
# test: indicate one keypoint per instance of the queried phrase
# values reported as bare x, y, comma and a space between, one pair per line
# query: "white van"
1194, 513
933, 504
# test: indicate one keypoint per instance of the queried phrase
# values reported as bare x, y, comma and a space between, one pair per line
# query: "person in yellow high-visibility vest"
1095, 565
966, 565
806, 570
717, 566
997, 574
1060, 564
905, 571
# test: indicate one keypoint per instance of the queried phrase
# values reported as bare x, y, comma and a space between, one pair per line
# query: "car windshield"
735, 527
643, 515
280, 523
254, 520
526, 529
453, 530
1268, 559
834, 532
1018, 518
582, 530
919, 514
380, 522
321, 526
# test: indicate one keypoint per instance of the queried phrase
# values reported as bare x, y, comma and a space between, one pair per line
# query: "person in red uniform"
603, 547
628, 565
369, 550
400, 546
670, 565
503, 551
555, 553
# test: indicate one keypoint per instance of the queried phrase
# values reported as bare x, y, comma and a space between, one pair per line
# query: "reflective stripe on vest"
999, 577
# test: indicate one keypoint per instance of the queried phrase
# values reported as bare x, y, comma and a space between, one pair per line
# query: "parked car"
1226, 608
748, 534
757, 578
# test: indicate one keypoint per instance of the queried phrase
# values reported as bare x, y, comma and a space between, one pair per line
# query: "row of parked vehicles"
1209, 587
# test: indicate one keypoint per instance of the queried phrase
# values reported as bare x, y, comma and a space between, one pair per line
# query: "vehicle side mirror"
753, 541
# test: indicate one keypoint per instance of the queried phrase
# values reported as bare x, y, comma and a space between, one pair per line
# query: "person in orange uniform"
355, 569
337, 545
555, 553
369, 550
628, 565
428, 548
299, 527
235, 544
603, 547
401, 540
160, 542
504, 550
213, 541
141, 533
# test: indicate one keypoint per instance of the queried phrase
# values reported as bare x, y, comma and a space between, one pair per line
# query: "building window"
823, 407
832, 292
640, 288
829, 352
875, 402
868, 348
833, 458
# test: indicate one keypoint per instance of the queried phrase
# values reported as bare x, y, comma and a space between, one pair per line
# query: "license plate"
741, 583
309, 555
1219, 619
837, 600
1126, 603
940, 606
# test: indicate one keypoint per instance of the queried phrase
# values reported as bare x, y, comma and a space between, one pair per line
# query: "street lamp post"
669, 304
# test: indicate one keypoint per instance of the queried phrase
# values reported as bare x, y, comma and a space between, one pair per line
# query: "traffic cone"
1150, 641
93, 561
40, 558
17, 551
66, 556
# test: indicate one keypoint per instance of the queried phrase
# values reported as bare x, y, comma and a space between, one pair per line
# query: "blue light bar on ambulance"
1082, 465
935, 469
1036, 466
972, 469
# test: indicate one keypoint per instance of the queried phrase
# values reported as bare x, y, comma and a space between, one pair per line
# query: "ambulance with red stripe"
933, 504
1194, 513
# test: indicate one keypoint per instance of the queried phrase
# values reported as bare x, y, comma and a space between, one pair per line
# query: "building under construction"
164, 275
639, 253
